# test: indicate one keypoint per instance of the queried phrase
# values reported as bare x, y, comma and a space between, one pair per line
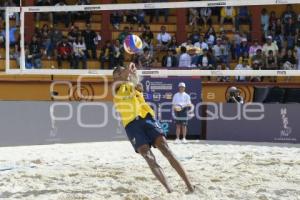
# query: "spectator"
243, 17
270, 46
226, 51
107, 55
242, 48
188, 45
298, 27
243, 66
13, 38
221, 66
141, 18
16, 54
288, 61
73, 34
169, 60
205, 16
86, 16
163, 39
39, 15
46, 41
56, 37
123, 34
119, 53
116, 19
259, 58
253, 48
194, 56
228, 13
277, 27
273, 20
195, 37
265, 19
28, 58
16, 15
288, 13
146, 60
64, 52
210, 36
185, 59
218, 49
160, 12
201, 43
79, 50
2, 38
271, 61
193, 17
91, 40
62, 16
148, 36
206, 61
35, 53
173, 44
297, 52
131, 16
290, 32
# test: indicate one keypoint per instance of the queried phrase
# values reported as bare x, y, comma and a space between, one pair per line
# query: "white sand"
113, 171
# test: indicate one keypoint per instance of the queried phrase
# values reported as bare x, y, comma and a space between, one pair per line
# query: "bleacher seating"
96, 19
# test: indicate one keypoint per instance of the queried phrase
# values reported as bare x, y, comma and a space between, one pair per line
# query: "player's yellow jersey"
130, 103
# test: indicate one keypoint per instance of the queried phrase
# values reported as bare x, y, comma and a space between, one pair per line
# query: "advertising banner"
36, 123
160, 91
254, 122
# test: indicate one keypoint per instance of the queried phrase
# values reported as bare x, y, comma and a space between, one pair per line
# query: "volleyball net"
50, 65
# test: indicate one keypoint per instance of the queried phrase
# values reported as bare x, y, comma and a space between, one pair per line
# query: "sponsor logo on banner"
34, 9
281, 1
92, 8
286, 130
244, 92
150, 72
212, 4
282, 72
149, 6
148, 85
156, 97
216, 73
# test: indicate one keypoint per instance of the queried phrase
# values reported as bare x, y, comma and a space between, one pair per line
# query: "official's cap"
182, 84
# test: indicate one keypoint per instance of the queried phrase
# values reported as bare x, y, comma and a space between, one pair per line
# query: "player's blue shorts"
143, 131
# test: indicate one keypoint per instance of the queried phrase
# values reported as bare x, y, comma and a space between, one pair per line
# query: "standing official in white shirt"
181, 105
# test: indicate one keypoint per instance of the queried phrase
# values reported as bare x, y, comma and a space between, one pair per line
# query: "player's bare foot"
169, 190
191, 189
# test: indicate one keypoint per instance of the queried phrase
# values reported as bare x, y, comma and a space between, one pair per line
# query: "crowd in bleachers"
205, 48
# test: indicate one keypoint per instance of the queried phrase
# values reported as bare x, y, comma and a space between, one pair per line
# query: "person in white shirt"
79, 50
185, 59
201, 44
181, 105
243, 66
270, 46
163, 38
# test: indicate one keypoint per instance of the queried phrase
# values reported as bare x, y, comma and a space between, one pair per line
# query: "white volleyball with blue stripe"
133, 44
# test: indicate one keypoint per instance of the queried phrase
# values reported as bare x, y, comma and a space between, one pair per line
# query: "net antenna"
137, 6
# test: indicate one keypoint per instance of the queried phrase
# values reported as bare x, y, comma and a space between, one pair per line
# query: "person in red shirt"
64, 52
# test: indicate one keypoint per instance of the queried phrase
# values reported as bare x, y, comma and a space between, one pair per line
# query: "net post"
7, 40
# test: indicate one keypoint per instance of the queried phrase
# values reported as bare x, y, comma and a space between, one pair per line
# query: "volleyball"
133, 44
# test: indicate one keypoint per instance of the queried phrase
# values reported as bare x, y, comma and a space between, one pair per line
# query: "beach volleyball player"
142, 129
